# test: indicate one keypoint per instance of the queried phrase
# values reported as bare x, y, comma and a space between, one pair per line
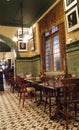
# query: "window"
54, 29
56, 53
47, 34
52, 50
47, 55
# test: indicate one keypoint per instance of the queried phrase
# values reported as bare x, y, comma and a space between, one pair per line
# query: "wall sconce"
69, 40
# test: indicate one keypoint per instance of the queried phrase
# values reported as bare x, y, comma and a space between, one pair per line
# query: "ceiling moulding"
73, 44
29, 58
14, 25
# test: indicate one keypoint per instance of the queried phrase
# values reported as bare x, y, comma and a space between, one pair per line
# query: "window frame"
50, 37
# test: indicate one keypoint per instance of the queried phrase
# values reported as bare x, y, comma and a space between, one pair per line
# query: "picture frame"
32, 46
72, 19
22, 46
25, 31
69, 4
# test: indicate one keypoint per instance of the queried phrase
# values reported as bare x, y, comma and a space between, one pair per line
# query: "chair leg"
48, 96
20, 96
75, 107
45, 104
67, 116
35, 96
23, 99
49, 105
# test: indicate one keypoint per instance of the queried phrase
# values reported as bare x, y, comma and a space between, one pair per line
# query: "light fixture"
7, 0
70, 40
25, 33
22, 17
15, 38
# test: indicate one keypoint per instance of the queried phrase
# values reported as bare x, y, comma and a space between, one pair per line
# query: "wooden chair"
13, 84
25, 91
48, 93
69, 102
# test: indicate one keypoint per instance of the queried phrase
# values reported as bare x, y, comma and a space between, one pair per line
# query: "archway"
10, 43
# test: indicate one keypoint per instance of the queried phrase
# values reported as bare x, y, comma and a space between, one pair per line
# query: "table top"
54, 85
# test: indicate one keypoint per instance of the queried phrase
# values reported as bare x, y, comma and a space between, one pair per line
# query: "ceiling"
4, 47
10, 11
16, 12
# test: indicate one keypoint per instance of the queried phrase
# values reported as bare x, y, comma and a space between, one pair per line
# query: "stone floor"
14, 117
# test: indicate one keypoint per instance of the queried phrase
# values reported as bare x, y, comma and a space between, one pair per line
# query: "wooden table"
38, 86
42, 87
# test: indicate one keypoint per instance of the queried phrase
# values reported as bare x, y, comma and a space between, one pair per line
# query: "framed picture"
32, 47
72, 19
22, 46
25, 31
69, 4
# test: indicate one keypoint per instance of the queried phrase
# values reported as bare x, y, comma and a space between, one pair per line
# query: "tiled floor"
32, 117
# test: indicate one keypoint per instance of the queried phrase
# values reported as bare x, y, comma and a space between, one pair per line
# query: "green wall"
28, 65
73, 58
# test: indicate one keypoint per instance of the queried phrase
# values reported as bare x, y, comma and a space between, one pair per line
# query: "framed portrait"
22, 46
32, 46
72, 19
69, 3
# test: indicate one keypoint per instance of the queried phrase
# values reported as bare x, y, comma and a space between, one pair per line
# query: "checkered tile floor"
32, 117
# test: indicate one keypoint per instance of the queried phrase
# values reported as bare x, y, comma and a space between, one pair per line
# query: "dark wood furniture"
47, 87
25, 91
48, 92
65, 91
51, 85
70, 101
1, 81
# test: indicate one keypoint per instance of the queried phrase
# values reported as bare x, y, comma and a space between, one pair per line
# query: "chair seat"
30, 89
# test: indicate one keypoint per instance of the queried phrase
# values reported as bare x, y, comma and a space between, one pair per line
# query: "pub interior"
39, 65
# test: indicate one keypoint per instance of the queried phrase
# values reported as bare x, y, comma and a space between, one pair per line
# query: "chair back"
20, 83
71, 88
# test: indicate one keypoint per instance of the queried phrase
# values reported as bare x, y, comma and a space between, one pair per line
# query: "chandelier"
24, 34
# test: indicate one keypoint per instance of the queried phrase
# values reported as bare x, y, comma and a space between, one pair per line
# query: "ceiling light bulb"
15, 39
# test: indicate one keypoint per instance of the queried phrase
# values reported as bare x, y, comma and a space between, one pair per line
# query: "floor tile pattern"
32, 117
